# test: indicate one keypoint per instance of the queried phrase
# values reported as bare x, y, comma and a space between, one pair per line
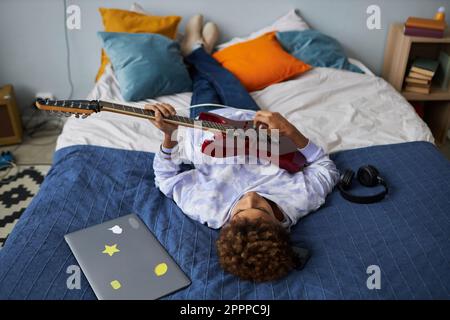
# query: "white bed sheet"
337, 109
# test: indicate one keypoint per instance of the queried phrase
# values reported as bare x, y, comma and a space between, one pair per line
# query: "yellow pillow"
260, 62
117, 20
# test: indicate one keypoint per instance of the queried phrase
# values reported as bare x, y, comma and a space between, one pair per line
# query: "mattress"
337, 109
103, 169
407, 235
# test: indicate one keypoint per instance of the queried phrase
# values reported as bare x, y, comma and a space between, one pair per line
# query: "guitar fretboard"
184, 121
134, 111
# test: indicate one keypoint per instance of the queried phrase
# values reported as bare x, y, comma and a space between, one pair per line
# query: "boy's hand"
162, 110
274, 120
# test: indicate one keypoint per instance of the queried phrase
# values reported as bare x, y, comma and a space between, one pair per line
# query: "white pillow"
361, 65
290, 21
136, 7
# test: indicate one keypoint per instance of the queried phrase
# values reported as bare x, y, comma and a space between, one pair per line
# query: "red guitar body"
289, 158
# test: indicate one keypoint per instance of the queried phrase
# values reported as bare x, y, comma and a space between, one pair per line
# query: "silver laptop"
122, 259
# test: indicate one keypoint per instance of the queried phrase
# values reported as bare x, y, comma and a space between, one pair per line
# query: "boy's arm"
317, 179
179, 186
169, 142
167, 171
320, 175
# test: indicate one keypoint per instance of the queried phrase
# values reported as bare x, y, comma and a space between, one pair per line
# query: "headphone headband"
367, 176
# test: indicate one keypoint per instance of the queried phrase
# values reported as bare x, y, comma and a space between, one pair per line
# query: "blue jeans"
214, 84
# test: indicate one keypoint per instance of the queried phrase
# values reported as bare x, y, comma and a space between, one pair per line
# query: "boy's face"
252, 206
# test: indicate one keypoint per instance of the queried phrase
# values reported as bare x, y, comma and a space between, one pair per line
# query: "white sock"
197, 45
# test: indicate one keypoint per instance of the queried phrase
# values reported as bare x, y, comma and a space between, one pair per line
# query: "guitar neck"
149, 114
84, 108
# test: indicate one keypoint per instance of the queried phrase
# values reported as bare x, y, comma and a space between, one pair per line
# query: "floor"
38, 145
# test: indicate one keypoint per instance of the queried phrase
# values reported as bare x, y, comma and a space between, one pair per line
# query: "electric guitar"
281, 150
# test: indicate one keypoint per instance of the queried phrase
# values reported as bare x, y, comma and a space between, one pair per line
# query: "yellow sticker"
161, 269
110, 250
115, 284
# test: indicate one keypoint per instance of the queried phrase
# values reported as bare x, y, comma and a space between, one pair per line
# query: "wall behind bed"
33, 53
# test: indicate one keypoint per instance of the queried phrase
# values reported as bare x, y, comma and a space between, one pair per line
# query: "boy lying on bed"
254, 210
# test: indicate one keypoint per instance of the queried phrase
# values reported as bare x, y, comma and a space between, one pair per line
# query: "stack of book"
420, 75
421, 27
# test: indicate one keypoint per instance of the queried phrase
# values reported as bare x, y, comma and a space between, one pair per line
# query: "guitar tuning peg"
84, 116
67, 114
77, 116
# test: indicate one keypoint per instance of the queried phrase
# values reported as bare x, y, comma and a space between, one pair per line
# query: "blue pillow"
147, 65
316, 49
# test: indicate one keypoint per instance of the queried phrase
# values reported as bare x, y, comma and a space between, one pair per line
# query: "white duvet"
338, 110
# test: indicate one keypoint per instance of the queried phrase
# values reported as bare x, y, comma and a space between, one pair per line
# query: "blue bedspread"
407, 235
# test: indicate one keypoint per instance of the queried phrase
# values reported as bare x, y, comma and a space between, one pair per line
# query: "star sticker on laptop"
111, 249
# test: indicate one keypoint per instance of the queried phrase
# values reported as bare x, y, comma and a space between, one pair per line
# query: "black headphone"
367, 176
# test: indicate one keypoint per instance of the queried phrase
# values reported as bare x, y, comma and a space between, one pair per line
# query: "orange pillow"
117, 20
260, 62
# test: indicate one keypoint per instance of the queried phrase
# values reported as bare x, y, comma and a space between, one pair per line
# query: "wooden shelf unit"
400, 51
10, 121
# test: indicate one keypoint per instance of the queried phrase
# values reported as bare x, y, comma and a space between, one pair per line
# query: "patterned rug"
17, 190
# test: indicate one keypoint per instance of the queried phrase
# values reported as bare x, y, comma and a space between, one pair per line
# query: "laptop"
123, 260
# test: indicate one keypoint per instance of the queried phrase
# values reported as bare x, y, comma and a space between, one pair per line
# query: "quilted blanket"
405, 237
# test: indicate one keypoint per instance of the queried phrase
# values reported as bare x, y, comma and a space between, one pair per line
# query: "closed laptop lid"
122, 259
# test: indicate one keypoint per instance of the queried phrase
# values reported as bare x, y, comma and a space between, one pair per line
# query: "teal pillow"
316, 49
147, 65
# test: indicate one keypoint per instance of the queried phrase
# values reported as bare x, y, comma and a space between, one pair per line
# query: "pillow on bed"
146, 65
260, 62
316, 49
136, 7
117, 20
290, 21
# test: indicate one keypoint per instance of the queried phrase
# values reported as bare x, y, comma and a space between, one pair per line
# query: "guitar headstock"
79, 108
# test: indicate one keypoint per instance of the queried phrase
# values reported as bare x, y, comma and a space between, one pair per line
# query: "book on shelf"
423, 23
410, 79
422, 27
418, 85
425, 66
443, 74
416, 89
419, 76
422, 32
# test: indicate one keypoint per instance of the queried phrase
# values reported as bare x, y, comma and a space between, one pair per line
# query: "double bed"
102, 169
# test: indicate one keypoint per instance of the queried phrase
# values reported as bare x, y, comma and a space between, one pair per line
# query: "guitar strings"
177, 117
141, 105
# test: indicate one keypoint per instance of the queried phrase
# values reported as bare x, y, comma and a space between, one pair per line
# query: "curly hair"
255, 250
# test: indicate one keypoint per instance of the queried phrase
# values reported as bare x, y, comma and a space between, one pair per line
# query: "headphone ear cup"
346, 179
368, 176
